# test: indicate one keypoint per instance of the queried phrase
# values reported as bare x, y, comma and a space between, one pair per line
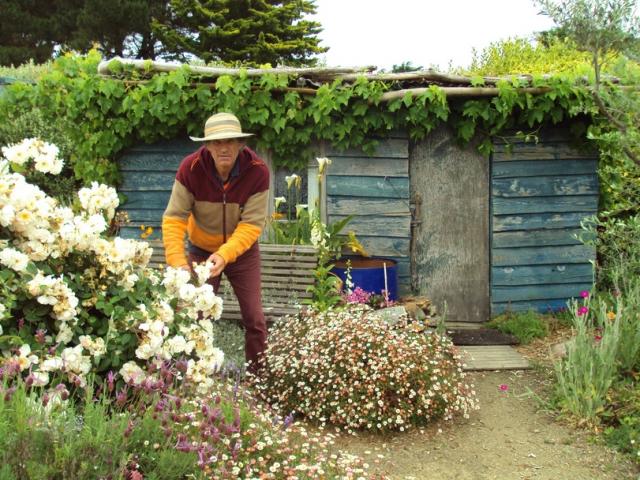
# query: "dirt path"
508, 438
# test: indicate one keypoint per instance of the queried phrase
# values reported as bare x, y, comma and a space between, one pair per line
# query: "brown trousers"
244, 276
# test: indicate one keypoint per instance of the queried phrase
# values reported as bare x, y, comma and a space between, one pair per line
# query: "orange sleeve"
173, 233
248, 230
243, 237
174, 225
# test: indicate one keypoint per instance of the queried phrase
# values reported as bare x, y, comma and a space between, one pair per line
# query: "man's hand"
186, 267
218, 264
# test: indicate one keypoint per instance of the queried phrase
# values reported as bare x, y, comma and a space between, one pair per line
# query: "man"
219, 199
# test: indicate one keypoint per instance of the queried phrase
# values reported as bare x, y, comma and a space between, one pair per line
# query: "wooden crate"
287, 272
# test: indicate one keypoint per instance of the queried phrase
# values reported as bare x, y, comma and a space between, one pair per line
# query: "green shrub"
352, 369
157, 431
33, 124
623, 419
586, 374
525, 326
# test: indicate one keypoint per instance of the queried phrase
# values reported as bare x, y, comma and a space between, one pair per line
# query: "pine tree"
242, 31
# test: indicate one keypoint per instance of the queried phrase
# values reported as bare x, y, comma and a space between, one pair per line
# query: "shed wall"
540, 194
375, 190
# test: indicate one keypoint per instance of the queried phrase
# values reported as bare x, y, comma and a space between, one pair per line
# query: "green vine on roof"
110, 114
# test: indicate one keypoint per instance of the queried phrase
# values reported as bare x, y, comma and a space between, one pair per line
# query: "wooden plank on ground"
494, 357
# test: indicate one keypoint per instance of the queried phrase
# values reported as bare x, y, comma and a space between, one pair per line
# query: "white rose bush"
76, 302
86, 326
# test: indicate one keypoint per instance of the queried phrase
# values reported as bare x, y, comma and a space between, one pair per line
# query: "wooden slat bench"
287, 272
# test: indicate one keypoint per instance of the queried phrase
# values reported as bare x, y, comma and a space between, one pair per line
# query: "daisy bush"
75, 302
351, 369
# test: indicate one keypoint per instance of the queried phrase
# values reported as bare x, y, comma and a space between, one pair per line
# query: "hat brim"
221, 136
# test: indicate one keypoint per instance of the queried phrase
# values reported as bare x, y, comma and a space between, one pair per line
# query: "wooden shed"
483, 234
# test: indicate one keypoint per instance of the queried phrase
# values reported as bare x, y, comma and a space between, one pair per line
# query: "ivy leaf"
407, 99
224, 83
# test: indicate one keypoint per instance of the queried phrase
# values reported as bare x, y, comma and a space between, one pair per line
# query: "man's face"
224, 152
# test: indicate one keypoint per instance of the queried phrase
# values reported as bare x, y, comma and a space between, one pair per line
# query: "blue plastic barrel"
369, 274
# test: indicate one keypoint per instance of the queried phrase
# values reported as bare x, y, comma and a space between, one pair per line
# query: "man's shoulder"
254, 162
190, 162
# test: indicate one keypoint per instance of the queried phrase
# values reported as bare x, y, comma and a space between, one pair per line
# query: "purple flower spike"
111, 380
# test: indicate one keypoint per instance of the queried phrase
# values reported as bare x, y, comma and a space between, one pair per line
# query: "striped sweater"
226, 219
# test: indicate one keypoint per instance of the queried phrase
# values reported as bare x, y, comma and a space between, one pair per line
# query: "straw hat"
221, 126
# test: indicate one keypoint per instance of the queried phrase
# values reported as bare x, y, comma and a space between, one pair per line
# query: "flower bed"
351, 369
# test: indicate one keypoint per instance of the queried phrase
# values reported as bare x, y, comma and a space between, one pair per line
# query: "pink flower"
503, 387
583, 311
584, 294
597, 338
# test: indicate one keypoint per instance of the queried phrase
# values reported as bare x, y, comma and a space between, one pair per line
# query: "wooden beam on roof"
460, 92
103, 68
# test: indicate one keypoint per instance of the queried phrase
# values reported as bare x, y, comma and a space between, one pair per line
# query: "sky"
428, 33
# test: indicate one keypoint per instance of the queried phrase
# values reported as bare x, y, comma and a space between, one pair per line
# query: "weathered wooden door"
450, 243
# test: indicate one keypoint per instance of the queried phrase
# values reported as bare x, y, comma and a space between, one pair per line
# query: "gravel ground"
510, 437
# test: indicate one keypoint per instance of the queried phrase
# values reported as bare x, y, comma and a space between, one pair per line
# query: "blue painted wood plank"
355, 166
540, 238
545, 186
338, 205
505, 257
146, 199
537, 292
540, 151
176, 145
150, 161
568, 203
144, 214
535, 221
543, 168
385, 247
380, 187
147, 181
542, 306
391, 147
382, 226
541, 274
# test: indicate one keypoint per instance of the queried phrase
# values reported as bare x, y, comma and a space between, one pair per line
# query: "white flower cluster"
44, 155
319, 234
41, 230
14, 259
50, 290
201, 371
99, 199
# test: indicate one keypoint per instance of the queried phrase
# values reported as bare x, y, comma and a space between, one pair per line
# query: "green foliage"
67, 439
522, 56
27, 72
616, 241
109, 114
33, 124
623, 418
524, 325
156, 431
31, 30
248, 32
599, 28
589, 369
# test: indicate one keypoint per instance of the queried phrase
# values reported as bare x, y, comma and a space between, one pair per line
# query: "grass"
525, 326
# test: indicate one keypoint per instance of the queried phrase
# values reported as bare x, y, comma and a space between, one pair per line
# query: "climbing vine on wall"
109, 114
